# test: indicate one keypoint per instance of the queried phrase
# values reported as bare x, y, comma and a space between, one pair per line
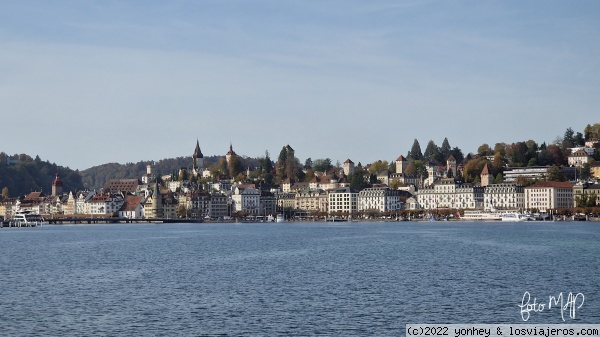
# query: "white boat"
479, 215
516, 217
26, 219
279, 218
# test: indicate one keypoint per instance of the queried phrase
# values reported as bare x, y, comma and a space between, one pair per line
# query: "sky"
83, 83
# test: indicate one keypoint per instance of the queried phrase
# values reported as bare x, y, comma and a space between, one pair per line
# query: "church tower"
229, 154
57, 186
197, 159
156, 209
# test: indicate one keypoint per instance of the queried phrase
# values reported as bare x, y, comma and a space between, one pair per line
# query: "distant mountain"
22, 174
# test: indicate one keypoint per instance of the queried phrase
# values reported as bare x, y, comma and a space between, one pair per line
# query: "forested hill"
22, 174
95, 177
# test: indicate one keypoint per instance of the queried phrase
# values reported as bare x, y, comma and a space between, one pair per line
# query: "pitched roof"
131, 203
485, 169
197, 152
121, 185
401, 158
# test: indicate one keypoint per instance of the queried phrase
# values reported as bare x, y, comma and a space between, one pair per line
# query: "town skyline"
90, 84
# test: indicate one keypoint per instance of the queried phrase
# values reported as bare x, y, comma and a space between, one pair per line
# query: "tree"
473, 169
322, 165
5, 192
457, 154
236, 166
578, 139
554, 174
445, 149
357, 178
557, 155
308, 163
415, 152
431, 152
410, 169
484, 150
592, 131
586, 171
181, 211
378, 166
280, 166
567, 141
517, 153
500, 148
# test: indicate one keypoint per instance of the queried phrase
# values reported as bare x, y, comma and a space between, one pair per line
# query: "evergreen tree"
431, 152
415, 151
445, 149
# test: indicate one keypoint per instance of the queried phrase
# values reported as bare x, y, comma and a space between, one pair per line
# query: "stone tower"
401, 163
348, 167
57, 186
486, 177
451, 165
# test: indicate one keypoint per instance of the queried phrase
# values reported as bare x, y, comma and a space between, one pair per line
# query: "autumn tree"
484, 150
378, 166
592, 131
235, 165
473, 168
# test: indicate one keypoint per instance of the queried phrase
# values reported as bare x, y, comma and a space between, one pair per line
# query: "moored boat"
26, 219
516, 217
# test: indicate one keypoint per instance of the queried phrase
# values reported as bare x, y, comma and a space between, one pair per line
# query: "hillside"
25, 175
95, 177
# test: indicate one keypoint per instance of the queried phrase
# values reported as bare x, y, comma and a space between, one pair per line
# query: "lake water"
290, 279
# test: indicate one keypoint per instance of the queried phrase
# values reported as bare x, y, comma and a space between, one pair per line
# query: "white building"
382, 199
246, 200
504, 196
445, 193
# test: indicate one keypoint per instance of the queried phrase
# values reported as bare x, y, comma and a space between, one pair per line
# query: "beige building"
591, 190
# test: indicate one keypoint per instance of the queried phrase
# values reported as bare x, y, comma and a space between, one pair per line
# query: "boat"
26, 219
279, 218
516, 217
479, 215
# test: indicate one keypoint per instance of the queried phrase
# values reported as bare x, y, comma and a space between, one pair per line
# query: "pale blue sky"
89, 82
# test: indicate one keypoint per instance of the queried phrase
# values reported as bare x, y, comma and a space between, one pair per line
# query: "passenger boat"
479, 215
516, 217
279, 218
26, 219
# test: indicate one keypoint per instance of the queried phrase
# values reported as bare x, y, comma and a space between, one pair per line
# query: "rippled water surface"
292, 279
